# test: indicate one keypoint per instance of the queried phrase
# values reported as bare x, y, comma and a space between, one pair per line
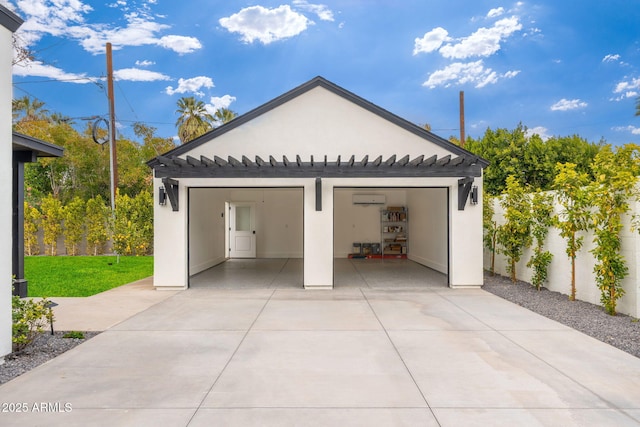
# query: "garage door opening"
391, 237
266, 225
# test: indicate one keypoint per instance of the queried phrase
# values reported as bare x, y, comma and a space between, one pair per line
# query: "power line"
127, 101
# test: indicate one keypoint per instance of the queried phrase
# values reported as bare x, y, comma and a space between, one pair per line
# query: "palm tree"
58, 119
194, 119
31, 110
224, 115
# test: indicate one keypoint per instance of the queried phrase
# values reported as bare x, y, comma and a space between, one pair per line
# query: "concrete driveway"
347, 357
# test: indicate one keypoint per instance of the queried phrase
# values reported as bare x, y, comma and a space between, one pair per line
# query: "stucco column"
170, 241
318, 237
10, 23
465, 249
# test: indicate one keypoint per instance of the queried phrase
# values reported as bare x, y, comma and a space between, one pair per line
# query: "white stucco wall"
318, 123
206, 228
428, 227
6, 177
360, 223
279, 220
559, 278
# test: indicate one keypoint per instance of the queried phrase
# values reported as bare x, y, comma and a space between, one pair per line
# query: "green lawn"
82, 276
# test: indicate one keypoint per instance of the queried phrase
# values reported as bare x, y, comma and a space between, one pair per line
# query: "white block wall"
560, 268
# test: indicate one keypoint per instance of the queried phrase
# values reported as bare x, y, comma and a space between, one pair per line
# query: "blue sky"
559, 67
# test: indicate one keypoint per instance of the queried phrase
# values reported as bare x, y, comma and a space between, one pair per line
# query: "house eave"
9, 20
21, 142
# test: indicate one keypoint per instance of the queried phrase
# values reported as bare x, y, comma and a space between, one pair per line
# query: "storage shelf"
394, 226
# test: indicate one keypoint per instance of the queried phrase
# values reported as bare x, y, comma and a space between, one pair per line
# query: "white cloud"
431, 41
541, 131
627, 89
321, 10
461, 73
180, 44
139, 75
634, 130
458, 72
218, 102
38, 69
192, 85
493, 13
145, 63
484, 42
611, 58
66, 19
266, 25
566, 105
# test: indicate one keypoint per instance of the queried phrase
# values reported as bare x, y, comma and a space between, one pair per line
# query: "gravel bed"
44, 348
620, 331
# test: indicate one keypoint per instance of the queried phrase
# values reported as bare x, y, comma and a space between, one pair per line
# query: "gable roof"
41, 148
9, 20
294, 93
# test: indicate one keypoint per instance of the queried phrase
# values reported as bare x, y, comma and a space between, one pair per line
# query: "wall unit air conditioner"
369, 199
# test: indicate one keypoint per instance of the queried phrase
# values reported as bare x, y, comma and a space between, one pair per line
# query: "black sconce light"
162, 197
474, 195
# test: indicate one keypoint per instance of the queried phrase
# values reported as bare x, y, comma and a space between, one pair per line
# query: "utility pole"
113, 163
462, 118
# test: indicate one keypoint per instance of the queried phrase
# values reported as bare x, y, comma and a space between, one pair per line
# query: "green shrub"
29, 319
74, 334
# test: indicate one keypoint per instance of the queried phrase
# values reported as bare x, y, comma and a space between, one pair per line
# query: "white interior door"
242, 230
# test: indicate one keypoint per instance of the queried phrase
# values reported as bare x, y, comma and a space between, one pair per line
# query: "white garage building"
305, 176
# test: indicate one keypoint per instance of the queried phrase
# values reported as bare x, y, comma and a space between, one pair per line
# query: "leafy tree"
194, 119
52, 215
616, 174
134, 175
32, 219
541, 220
514, 235
529, 158
74, 224
153, 145
97, 222
490, 229
505, 151
573, 219
133, 225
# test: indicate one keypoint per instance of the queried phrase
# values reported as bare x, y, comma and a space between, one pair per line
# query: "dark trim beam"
464, 188
446, 166
172, 189
318, 194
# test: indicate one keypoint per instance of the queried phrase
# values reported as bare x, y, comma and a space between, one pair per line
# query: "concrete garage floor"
349, 357
286, 273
